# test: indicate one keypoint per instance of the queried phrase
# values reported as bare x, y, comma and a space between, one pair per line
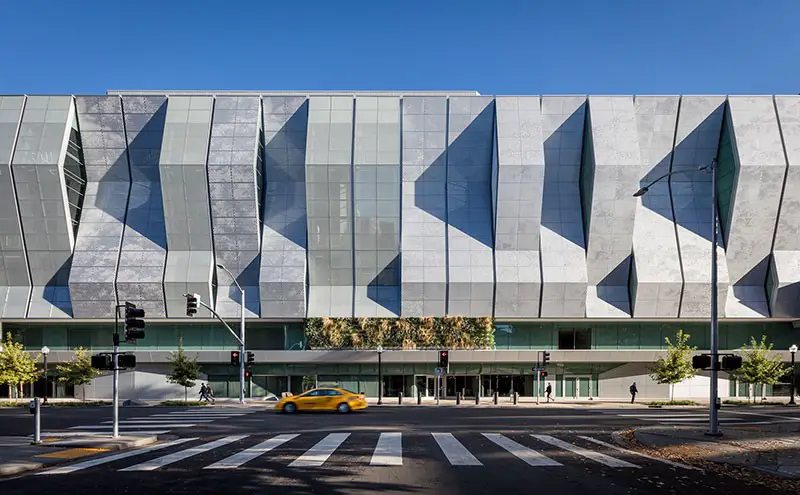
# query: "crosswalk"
314, 450
154, 424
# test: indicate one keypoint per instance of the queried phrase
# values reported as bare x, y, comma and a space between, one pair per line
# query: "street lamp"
713, 413
380, 376
793, 350
241, 333
45, 352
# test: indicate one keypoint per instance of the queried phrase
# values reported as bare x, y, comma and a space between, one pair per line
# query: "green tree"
760, 366
184, 370
16, 365
78, 371
677, 366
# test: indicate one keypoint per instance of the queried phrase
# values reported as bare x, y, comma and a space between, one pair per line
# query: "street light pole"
241, 333
793, 350
380, 377
45, 352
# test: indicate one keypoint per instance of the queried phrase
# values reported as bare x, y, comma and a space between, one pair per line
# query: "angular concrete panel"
656, 280
329, 204
783, 282
424, 203
563, 248
283, 250
376, 197
519, 184
233, 182
42, 167
470, 147
143, 255
15, 279
755, 155
94, 263
610, 174
184, 187
696, 144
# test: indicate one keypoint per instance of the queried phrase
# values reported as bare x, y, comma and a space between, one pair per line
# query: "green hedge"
450, 332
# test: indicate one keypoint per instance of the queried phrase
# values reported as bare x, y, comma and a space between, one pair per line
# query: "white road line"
209, 415
530, 456
66, 434
158, 425
389, 451
248, 455
152, 421
456, 453
785, 418
319, 453
633, 452
111, 458
606, 460
664, 415
166, 460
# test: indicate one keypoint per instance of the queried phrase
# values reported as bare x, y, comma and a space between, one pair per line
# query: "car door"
308, 402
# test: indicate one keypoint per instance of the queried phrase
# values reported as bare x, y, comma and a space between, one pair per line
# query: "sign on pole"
438, 371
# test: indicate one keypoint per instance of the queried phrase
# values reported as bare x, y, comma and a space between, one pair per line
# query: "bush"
13, 404
173, 403
672, 403
732, 402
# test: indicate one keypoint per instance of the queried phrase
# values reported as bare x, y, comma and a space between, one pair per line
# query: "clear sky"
495, 47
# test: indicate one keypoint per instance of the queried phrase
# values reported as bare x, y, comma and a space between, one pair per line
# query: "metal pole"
538, 385
37, 420
242, 352
713, 418
791, 396
380, 380
45, 378
115, 380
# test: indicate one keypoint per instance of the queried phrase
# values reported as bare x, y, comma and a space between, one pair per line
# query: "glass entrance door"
577, 387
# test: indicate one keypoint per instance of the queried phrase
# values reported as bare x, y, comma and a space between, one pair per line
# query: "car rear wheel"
343, 408
289, 408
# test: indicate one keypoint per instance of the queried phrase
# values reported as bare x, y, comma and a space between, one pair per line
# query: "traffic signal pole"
115, 379
241, 348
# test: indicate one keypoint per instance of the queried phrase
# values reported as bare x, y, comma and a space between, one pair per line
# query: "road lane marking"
319, 453
152, 421
633, 452
456, 453
248, 455
162, 424
111, 458
98, 433
166, 460
530, 456
389, 451
603, 459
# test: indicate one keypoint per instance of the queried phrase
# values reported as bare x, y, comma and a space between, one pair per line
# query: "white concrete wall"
145, 383
616, 383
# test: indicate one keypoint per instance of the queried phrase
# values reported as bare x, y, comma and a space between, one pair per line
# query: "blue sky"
498, 47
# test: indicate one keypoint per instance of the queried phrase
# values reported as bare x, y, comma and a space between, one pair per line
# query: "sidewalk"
772, 449
17, 455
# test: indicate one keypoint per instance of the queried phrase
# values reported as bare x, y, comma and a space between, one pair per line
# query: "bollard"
495, 398
419, 397
37, 421
516, 397
477, 398
458, 399
400, 398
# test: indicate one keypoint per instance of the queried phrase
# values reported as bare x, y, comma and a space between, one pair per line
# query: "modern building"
407, 204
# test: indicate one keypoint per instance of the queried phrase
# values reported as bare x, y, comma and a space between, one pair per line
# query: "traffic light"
126, 361
235, 358
191, 304
103, 362
133, 322
701, 362
251, 358
444, 359
545, 358
248, 373
543, 374
730, 363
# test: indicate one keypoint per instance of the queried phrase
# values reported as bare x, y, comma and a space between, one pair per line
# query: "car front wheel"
290, 408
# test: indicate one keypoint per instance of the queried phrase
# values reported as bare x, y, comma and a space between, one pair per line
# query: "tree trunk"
671, 392
185, 395
83, 392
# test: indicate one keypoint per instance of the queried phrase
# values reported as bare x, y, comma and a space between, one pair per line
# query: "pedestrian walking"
634, 391
548, 391
210, 394
203, 392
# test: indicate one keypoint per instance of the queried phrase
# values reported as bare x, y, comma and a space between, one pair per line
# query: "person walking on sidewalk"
548, 391
634, 391
203, 392
210, 394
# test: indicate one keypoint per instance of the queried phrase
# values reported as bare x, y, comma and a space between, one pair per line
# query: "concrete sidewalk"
773, 448
17, 455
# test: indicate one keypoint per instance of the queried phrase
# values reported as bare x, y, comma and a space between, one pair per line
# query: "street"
388, 450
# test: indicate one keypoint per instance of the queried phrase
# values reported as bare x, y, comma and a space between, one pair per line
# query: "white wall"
616, 383
147, 382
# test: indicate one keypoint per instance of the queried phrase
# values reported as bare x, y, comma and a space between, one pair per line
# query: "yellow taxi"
323, 399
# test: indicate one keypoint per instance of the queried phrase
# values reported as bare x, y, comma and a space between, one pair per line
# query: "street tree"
184, 370
17, 366
760, 366
677, 365
78, 371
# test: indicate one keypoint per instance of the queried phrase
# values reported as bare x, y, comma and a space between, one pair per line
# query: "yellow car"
323, 399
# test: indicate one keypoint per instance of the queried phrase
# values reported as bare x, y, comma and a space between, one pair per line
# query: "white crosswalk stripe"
529, 456
131, 426
631, 452
319, 453
157, 424
166, 460
389, 451
153, 421
456, 453
603, 459
115, 457
248, 455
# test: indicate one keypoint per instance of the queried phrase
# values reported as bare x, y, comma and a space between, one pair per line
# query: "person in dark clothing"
203, 392
634, 391
548, 391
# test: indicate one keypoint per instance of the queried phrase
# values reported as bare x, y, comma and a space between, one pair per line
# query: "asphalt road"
439, 451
